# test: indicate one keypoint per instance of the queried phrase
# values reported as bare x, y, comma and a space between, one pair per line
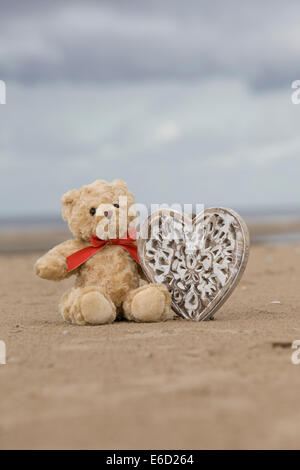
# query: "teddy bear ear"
119, 182
70, 197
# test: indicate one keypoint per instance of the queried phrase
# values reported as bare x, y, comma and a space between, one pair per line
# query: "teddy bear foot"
96, 309
87, 306
150, 303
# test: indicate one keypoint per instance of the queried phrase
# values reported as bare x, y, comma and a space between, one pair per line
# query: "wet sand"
225, 384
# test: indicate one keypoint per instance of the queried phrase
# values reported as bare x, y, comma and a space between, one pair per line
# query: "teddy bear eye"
117, 206
93, 211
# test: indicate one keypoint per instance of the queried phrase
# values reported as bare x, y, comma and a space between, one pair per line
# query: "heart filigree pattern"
199, 259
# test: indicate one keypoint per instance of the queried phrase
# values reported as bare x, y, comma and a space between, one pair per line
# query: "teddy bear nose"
108, 214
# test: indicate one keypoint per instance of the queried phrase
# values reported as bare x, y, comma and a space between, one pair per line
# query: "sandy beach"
227, 383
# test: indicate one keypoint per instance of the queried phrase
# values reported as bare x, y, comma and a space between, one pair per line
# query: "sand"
224, 384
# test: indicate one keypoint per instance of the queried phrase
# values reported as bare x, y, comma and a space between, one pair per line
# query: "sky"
189, 102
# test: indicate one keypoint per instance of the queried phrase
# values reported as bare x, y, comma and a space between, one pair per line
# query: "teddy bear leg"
150, 303
87, 305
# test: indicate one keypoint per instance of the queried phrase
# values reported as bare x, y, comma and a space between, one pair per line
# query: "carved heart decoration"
200, 259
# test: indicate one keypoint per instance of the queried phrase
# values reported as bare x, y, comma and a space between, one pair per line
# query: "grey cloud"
104, 41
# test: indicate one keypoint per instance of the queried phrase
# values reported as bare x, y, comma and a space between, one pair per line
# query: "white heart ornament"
200, 259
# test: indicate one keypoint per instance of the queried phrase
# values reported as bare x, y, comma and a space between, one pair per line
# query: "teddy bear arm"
53, 265
143, 281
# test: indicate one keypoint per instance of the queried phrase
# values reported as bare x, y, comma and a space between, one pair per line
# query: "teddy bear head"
101, 209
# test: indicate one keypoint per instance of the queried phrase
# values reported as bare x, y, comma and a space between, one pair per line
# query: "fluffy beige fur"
110, 283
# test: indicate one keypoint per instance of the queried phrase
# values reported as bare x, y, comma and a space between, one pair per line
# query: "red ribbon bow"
81, 256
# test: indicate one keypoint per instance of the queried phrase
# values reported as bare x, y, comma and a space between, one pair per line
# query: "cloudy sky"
187, 101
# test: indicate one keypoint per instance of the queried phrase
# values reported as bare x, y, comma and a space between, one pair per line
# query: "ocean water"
32, 223
277, 238
257, 217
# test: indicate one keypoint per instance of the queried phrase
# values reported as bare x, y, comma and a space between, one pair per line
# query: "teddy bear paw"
151, 304
96, 309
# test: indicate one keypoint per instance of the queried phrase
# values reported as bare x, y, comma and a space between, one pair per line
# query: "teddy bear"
103, 258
